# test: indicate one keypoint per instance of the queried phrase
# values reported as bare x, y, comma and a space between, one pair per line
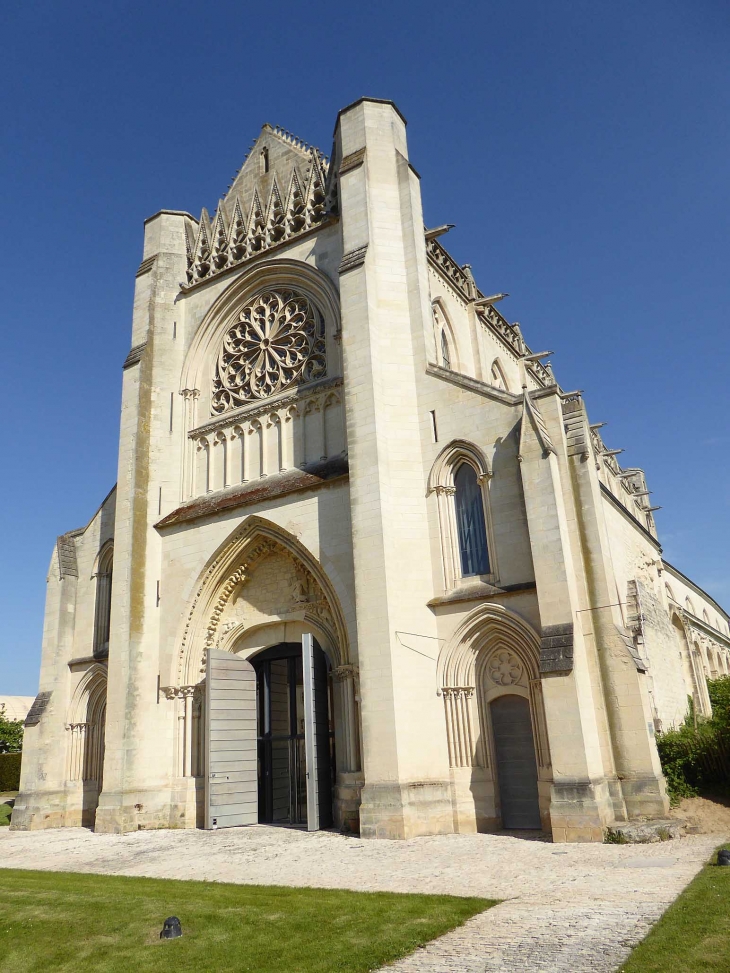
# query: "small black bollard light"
171, 928
723, 857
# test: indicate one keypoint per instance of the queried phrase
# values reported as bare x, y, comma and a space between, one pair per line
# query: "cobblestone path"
566, 908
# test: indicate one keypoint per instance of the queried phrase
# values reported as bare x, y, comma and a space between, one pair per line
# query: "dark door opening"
516, 766
282, 765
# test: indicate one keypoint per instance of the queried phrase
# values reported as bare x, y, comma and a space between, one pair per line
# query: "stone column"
386, 312
140, 735
625, 689
581, 804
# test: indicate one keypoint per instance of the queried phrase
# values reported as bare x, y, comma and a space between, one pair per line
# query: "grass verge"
693, 935
63, 921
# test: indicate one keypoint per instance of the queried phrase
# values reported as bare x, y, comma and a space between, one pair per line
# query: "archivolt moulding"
448, 459
87, 694
486, 629
231, 566
274, 273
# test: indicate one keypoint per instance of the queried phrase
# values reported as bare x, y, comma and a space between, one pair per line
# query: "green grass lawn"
693, 935
65, 921
5, 811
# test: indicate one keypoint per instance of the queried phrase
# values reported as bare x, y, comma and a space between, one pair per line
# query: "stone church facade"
328, 430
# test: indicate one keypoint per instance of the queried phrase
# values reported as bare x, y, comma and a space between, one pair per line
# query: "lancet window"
445, 353
102, 610
460, 480
470, 522
498, 378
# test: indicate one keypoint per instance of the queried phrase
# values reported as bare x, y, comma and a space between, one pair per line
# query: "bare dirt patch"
706, 815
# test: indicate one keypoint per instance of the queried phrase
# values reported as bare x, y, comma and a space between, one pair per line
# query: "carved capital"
342, 673
457, 692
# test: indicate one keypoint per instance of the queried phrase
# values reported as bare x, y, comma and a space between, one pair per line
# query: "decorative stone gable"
284, 189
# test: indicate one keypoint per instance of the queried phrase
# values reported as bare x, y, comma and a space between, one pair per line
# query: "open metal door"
231, 780
316, 736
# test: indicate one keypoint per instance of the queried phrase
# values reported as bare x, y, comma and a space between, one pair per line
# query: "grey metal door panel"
310, 732
316, 736
516, 766
231, 780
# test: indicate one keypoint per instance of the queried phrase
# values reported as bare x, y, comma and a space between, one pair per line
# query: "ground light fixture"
171, 928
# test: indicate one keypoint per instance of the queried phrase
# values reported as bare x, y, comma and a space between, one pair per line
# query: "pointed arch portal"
266, 633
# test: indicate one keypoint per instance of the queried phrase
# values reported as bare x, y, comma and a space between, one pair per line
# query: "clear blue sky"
580, 148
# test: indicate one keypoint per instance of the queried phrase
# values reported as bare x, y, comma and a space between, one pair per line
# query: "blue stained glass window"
470, 522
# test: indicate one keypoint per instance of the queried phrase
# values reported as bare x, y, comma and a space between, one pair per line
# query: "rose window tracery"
505, 669
278, 339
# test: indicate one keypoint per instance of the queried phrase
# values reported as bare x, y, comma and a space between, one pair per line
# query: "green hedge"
696, 756
10, 771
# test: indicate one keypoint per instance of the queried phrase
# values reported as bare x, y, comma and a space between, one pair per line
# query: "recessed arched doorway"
281, 738
514, 750
269, 747
87, 725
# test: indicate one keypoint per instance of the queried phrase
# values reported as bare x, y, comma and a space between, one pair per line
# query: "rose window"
277, 340
505, 669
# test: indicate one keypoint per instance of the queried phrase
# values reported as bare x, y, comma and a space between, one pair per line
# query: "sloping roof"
15, 707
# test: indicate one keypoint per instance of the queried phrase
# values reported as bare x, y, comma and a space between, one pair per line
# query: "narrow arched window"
498, 379
470, 522
102, 612
264, 160
445, 353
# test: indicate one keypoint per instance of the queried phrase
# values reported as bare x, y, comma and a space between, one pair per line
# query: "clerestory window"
103, 607
445, 354
470, 522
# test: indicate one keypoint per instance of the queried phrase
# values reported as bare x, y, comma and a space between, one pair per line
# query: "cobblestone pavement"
566, 908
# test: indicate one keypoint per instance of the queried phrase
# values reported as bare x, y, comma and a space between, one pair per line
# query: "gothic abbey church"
366, 565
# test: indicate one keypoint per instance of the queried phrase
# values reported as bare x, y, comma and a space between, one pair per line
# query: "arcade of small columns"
290, 431
705, 657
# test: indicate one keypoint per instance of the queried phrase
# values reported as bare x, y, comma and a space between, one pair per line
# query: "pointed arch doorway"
269, 738
514, 751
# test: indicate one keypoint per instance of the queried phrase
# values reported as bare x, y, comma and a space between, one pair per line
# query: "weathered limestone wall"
52, 793
385, 310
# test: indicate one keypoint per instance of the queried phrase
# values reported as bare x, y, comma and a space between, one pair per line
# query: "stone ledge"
645, 832
478, 591
267, 488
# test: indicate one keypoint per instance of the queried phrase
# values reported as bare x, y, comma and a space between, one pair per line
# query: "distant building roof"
16, 707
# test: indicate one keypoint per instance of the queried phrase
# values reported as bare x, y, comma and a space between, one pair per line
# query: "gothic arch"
205, 624
442, 325
86, 693
493, 652
441, 481
692, 663
489, 625
103, 572
498, 376
458, 450
87, 726
196, 375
